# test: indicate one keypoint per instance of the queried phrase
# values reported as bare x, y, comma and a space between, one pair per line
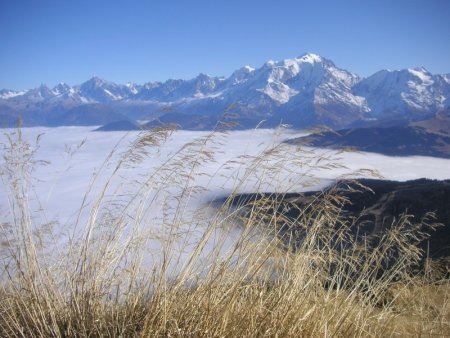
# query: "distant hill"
429, 137
439, 124
375, 209
185, 121
202, 122
123, 125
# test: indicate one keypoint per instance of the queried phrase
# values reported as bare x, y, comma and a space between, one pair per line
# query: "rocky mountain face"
303, 91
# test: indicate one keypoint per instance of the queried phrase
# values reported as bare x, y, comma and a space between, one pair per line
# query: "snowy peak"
306, 75
310, 58
205, 84
100, 90
421, 74
38, 94
241, 75
94, 83
133, 88
247, 69
95, 80
412, 90
61, 89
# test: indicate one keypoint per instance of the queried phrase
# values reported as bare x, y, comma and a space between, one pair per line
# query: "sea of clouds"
176, 180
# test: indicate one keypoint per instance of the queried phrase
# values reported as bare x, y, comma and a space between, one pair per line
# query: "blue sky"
139, 41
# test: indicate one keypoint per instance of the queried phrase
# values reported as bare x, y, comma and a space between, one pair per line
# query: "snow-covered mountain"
178, 90
405, 92
302, 91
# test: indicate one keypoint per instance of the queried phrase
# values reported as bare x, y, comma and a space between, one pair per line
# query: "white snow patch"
132, 88
278, 91
422, 74
10, 94
310, 58
447, 78
249, 69
114, 97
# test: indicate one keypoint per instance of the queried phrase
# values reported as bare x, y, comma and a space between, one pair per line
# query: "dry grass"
104, 282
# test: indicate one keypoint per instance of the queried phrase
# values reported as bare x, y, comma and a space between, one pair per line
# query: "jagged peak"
61, 88
270, 63
240, 74
421, 69
203, 76
307, 58
418, 70
243, 70
151, 85
62, 85
43, 86
97, 81
310, 58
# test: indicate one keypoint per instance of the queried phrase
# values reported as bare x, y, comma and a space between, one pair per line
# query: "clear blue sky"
43, 41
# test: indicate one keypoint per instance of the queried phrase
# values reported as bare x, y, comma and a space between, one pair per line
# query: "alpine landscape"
303, 197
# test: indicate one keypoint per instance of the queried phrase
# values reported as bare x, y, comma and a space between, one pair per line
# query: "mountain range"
304, 91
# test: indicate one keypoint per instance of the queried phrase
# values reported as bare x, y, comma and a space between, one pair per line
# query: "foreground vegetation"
201, 279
